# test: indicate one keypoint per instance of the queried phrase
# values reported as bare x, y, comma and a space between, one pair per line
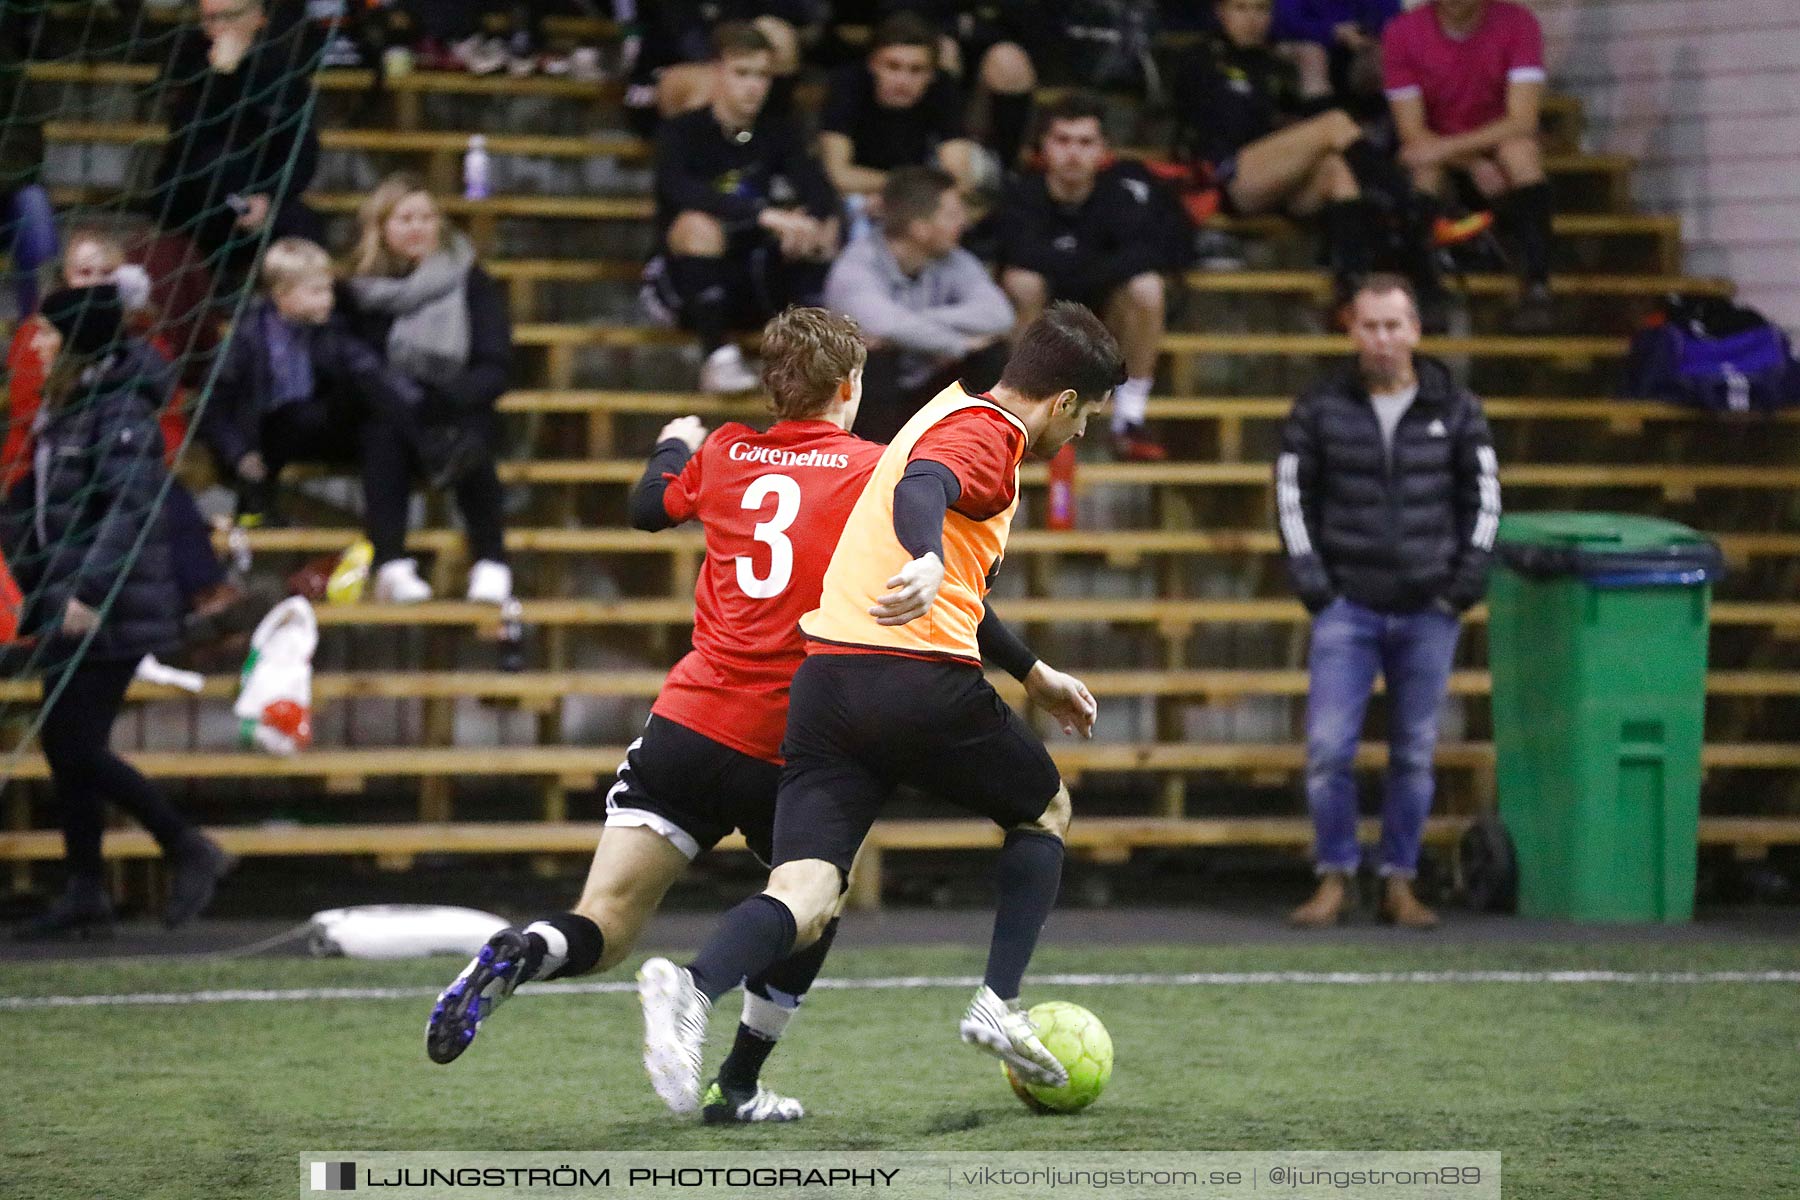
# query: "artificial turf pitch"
1589, 1090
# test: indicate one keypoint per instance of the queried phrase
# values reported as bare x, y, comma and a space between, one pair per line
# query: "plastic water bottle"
512, 635
477, 171
1062, 489
861, 223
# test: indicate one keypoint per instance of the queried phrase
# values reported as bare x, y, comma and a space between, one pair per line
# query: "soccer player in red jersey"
709, 760
892, 693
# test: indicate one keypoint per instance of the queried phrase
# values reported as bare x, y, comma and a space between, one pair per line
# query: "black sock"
585, 941
793, 976
752, 937
1347, 241
1529, 210
1375, 170
1008, 115
785, 985
742, 1069
700, 283
1027, 877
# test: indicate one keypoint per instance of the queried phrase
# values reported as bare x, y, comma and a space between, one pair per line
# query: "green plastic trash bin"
1597, 635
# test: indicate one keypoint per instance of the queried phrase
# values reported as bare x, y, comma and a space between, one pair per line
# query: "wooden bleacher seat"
1101, 839
523, 278
483, 214
1298, 282
1086, 836
1162, 408
1562, 122
585, 766
1175, 615
1673, 480
1123, 547
544, 687
1613, 169
545, 334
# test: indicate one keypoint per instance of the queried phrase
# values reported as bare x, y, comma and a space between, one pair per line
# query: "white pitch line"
915, 982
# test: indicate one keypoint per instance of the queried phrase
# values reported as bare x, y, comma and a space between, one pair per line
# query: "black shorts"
694, 791
1095, 299
758, 283
861, 724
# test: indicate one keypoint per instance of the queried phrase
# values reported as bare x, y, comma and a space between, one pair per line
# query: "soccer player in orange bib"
772, 504
892, 692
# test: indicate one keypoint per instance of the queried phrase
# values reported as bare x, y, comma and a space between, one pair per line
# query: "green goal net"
152, 151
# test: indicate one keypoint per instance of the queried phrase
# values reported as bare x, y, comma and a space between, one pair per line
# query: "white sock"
1130, 404
729, 352
556, 947
766, 1018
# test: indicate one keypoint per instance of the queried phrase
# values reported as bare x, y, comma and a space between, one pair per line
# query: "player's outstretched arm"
678, 442
1064, 697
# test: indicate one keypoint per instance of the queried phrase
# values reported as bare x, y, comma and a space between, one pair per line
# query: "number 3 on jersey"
771, 533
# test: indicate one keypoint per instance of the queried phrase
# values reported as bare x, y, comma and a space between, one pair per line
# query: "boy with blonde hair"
297, 386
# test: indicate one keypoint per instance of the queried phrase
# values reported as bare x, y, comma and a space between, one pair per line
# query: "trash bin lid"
1608, 549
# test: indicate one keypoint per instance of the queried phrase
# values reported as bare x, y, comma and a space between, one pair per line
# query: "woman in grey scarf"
416, 293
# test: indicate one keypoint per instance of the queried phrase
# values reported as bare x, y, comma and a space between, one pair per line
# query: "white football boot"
675, 1014
723, 1107
1002, 1028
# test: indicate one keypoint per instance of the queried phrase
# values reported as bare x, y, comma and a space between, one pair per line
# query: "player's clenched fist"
1064, 697
910, 593
684, 429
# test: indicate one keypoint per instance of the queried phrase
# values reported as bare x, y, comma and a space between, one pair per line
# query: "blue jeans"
29, 225
1413, 652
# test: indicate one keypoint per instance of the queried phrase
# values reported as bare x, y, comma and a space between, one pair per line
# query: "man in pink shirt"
1465, 79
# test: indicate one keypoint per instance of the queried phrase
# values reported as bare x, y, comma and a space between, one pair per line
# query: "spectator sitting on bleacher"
983, 48
418, 296
1465, 79
1336, 45
930, 311
895, 109
238, 101
297, 386
1101, 233
669, 52
1241, 112
749, 221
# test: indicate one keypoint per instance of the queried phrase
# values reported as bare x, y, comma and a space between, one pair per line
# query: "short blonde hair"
806, 353
293, 260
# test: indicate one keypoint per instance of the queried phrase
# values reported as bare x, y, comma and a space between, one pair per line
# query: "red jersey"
773, 505
1463, 82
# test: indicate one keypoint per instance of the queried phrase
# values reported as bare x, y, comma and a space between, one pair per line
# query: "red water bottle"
1062, 489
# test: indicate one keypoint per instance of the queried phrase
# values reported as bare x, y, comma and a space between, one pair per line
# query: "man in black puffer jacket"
1388, 498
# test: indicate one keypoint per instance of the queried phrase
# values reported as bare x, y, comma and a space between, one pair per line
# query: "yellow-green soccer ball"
1080, 1043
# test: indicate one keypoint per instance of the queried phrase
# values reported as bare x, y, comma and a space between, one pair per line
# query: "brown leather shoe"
1328, 906
1400, 906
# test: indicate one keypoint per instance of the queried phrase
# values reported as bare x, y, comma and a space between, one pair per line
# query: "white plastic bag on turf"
274, 704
